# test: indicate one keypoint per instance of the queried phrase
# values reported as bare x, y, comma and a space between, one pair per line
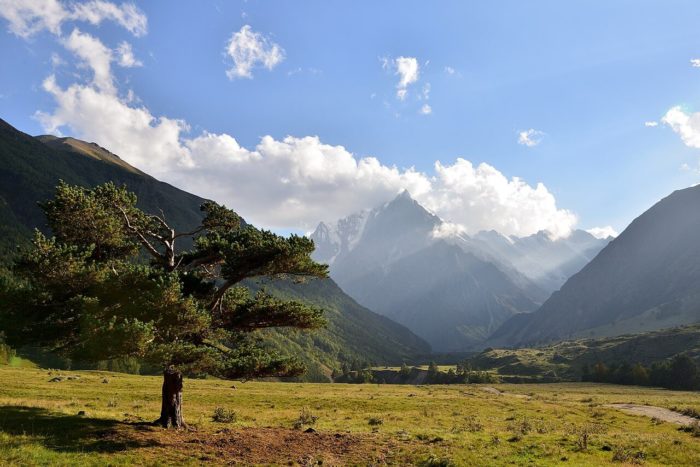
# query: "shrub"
584, 433
222, 415
305, 418
688, 411
522, 427
375, 421
693, 429
628, 456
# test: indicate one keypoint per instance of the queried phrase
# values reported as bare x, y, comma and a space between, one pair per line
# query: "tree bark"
171, 408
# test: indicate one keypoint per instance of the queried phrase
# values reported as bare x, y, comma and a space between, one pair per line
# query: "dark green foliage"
222, 415
463, 373
681, 372
30, 169
87, 293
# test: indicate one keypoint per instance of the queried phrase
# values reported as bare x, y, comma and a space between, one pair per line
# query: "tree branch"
144, 241
219, 295
189, 234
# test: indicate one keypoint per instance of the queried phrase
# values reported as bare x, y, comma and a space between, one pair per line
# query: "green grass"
529, 424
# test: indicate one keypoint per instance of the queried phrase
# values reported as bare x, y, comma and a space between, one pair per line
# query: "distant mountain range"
427, 280
31, 167
648, 278
452, 289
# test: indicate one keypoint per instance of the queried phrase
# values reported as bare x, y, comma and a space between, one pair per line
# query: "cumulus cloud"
284, 183
94, 54
530, 138
126, 56
294, 182
426, 109
482, 198
148, 142
651, 124
27, 17
449, 70
249, 49
685, 124
695, 62
603, 232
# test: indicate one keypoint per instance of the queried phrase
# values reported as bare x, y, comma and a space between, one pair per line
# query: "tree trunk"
171, 408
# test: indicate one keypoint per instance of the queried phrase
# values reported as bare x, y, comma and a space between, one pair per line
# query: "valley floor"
98, 418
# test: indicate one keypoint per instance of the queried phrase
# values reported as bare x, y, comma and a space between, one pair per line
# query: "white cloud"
695, 62
448, 230
93, 53
284, 183
56, 60
603, 232
27, 17
426, 109
150, 143
530, 138
482, 198
449, 70
126, 56
294, 182
126, 15
249, 49
686, 125
407, 69
694, 169
426, 91
651, 124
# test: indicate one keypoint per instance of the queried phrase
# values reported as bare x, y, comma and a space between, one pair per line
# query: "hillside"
353, 332
449, 297
565, 360
452, 289
390, 260
646, 279
545, 261
31, 167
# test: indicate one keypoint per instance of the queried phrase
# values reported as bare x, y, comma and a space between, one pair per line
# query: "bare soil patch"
659, 413
492, 390
498, 392
255, 446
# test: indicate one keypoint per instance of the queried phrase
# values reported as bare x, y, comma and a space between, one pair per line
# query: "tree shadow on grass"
72, 433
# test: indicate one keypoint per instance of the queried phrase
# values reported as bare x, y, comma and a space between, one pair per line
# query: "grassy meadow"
99, 418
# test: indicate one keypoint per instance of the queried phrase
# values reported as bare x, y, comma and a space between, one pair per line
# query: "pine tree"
111, 283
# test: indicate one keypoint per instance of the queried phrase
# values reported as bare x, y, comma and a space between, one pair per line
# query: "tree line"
681, 372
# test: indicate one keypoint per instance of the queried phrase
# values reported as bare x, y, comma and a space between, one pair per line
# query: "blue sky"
587, 75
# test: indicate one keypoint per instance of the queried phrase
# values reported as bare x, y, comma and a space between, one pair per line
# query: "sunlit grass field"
94, 419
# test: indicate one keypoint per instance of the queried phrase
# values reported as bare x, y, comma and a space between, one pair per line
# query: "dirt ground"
247, 446
659, 413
